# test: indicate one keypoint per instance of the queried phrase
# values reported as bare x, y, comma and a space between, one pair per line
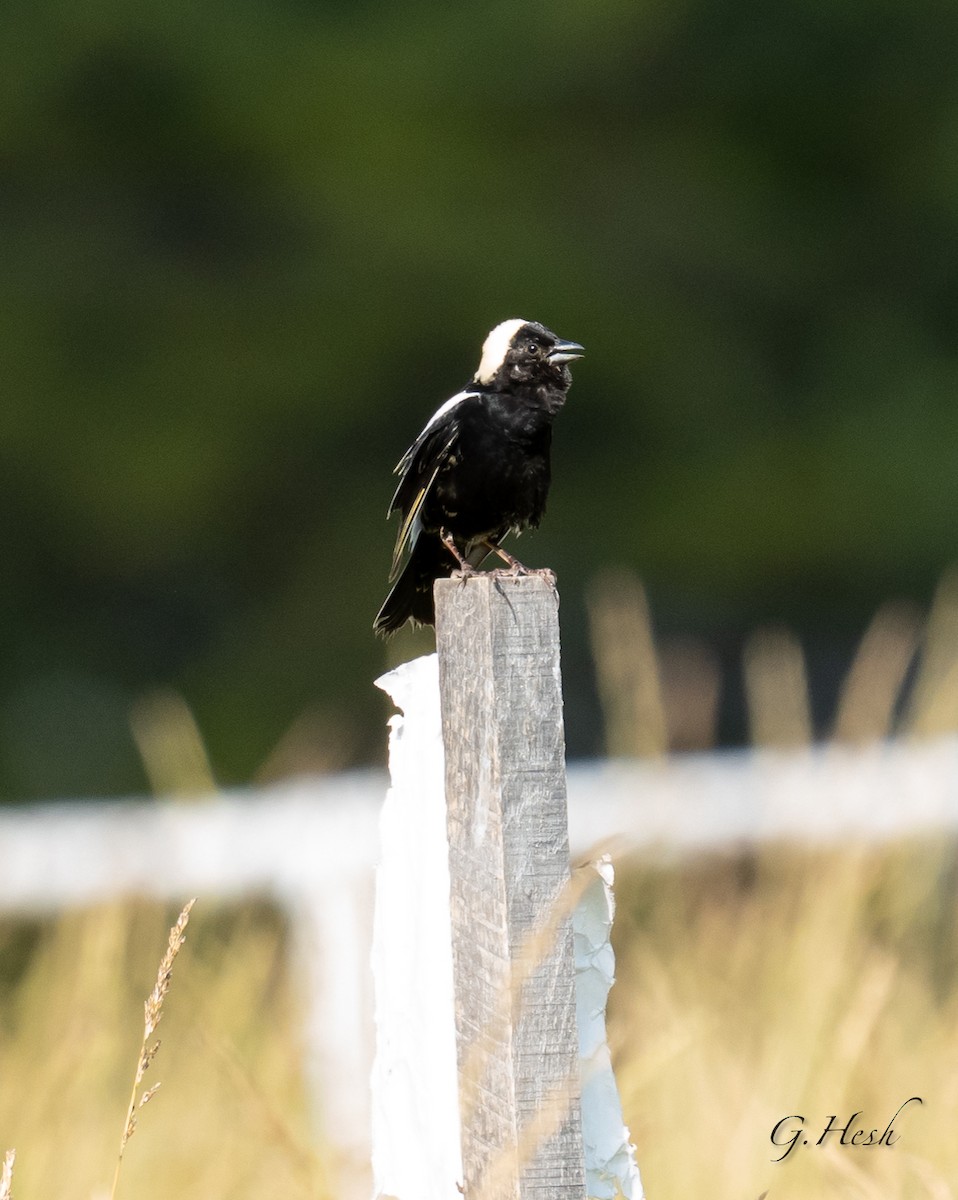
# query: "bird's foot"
518, 570
463, 573
546, 573
514, 565
449, 542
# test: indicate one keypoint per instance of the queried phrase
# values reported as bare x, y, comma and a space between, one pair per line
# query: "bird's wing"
422, 481
419, 467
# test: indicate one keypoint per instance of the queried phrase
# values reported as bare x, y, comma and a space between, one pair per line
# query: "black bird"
479, 469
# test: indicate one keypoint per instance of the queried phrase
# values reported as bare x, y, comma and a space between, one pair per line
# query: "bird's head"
525, 352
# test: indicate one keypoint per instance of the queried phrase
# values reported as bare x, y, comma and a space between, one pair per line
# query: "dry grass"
231, 1119
792, 982
152, 1014
750, 988
659, 696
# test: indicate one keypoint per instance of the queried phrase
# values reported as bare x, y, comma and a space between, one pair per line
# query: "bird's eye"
532, 347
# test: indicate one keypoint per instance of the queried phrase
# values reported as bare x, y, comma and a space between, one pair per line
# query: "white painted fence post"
415, 1116
497, 639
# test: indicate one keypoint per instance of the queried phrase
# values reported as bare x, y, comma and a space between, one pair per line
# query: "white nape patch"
496, 347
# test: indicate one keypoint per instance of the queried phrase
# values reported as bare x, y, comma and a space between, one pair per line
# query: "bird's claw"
518, 569
544, 573
463, 573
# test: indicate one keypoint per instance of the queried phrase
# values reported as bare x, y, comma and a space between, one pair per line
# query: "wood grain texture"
498, 643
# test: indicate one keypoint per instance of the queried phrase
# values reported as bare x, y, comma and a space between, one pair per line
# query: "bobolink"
479, 469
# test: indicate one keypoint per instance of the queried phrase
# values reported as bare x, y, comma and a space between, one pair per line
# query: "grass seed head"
152, 1012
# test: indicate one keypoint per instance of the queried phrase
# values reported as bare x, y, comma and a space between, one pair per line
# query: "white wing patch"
443, 410
496, 347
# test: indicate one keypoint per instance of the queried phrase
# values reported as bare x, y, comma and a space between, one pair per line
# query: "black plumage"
479, 469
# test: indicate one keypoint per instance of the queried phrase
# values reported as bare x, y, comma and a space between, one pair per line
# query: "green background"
248, 248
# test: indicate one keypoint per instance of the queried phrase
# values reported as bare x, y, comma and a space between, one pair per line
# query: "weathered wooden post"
497, 639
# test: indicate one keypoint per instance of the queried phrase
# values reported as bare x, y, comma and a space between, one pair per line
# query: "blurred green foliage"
248, 247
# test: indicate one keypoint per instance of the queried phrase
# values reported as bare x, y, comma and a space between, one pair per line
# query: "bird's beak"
563, 352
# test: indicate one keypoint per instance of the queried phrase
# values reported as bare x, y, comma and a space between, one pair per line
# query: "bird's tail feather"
410, 597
